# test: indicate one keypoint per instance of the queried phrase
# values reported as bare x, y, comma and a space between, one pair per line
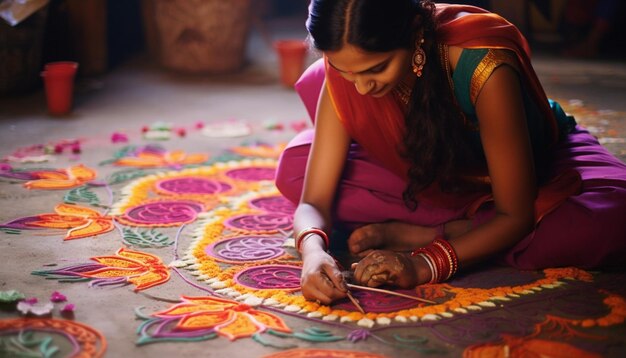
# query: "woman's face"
373, 73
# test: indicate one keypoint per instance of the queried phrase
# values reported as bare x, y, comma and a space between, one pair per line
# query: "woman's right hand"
321, 279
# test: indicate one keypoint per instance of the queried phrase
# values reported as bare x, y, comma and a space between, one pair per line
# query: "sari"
581, 206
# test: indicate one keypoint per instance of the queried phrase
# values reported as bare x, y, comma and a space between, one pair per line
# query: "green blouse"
472, 71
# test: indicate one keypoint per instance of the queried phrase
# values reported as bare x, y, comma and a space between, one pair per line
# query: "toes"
364, 238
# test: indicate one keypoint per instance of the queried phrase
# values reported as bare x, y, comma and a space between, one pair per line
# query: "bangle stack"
305, 233
440, 257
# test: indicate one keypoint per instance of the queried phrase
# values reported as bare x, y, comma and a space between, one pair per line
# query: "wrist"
423, 270
311, 243
311, 232
440, 259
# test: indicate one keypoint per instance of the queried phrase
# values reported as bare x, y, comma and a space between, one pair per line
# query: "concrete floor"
139, 93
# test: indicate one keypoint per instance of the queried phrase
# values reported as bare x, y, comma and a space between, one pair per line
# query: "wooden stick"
390, 293
355, 302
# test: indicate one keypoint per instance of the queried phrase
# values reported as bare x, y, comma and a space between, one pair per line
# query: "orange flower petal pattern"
73, 177
229, 318
155, 160
139, 268
80, 221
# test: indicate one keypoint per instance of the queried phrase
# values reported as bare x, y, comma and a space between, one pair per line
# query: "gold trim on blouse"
492, 60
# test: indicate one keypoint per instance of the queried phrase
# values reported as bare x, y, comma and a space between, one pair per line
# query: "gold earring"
419, 58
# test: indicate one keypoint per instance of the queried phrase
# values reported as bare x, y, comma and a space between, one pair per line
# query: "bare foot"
398, 236
394, 236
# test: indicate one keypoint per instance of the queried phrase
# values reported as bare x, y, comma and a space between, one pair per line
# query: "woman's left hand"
386, 267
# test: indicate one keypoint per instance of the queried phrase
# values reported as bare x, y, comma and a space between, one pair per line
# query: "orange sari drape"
377, 124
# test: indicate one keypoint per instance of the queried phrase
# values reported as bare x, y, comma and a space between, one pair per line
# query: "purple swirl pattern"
192, 185
247, 249
275, 277
260, 222
377, 302
274, 204
252, 173
167, 212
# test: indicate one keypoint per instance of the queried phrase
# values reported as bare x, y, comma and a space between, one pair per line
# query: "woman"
435, 143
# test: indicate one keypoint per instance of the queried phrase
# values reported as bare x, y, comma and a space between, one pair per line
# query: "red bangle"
441, 255
311, 230
454, 260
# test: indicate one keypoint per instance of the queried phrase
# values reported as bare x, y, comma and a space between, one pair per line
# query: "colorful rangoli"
234, 229
17, 338
241, 249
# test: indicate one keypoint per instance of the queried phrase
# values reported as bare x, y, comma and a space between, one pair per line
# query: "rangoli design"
242, 250
259, 227
79, 221
52, 179
79, 340
235, 229
262, 150
182, 195
322, 353
203, 316
127, 266
155, 157
160, 213
247, 249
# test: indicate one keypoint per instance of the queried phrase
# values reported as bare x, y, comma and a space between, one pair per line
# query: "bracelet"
449, 250
440, 257
304, 233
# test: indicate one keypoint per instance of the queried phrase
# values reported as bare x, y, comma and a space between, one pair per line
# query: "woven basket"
202, 36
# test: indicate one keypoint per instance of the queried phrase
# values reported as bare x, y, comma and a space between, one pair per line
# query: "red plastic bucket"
291, 57
58, 80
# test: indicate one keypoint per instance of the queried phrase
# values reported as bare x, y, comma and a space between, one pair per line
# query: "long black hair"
434, 141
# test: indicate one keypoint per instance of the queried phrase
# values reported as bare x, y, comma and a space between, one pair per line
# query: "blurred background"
211, 36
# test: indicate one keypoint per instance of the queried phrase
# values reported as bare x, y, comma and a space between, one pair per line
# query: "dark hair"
434, 141
373, 25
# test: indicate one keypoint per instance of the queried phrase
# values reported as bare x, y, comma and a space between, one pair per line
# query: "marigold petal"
150, 279
55, 221
82, 173
269, 320
118, 262
52, 184
92, 228
142, 257
205, 320
211, 303
242, 326
140, 162
76, 210
108, 272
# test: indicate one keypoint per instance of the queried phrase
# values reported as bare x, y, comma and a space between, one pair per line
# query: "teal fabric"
539, 135
462, 78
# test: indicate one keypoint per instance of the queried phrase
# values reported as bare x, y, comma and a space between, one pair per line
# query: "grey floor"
139, 93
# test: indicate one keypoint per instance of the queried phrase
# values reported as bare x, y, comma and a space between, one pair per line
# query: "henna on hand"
386, 267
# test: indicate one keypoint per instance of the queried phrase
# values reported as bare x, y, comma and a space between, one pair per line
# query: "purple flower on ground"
358, 335
57, 297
